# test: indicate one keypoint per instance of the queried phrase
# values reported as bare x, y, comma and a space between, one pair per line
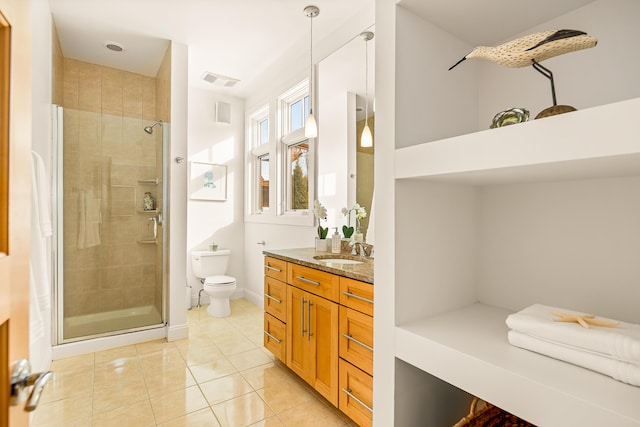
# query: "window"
263, 191
280, 161
298, 176
297, 163
259, 176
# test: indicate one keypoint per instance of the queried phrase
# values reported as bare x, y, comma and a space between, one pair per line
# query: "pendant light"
311, 127
366, 139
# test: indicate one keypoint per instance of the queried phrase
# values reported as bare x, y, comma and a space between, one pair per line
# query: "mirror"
345, 170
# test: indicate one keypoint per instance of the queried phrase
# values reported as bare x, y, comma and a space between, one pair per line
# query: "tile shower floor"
220, 376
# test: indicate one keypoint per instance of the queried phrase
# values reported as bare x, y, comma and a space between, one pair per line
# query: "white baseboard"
105, 343
254, 298
204, 298
178, 332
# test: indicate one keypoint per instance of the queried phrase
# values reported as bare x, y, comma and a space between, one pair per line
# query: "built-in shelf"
152, 211
468, 348
592, 143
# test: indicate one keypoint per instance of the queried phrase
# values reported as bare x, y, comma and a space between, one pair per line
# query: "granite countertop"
305, 256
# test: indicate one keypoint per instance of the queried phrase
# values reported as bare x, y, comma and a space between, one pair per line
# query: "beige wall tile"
149, 98
132, 95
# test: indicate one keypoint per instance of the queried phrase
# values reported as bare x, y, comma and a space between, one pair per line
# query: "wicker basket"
483, 414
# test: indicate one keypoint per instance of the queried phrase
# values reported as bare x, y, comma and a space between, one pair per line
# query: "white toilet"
209, 267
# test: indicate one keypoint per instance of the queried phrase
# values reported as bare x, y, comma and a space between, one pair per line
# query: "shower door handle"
155, 225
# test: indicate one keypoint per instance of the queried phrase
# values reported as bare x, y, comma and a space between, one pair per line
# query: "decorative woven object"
556, 109
490, 416
522, 51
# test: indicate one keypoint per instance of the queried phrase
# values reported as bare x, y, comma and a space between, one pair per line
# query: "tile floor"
220, 376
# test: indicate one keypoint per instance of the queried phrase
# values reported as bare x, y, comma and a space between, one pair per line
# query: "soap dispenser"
336, 242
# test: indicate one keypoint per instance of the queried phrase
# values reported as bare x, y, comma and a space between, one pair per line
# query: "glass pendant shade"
366, 139
311, 127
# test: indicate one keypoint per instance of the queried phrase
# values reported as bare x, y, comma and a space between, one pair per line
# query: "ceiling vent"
219, 79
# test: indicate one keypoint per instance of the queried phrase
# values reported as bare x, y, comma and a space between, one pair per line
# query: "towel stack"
613, 351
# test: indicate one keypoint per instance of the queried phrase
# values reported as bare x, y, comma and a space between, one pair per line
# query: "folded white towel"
620, 343
625, 372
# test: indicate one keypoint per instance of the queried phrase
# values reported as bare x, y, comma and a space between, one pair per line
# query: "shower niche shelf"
147, 186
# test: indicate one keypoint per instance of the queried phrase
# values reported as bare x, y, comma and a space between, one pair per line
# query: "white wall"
278, 79
219, 221
40, 350
177, 195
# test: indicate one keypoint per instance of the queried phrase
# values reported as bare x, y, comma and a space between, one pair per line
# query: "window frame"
256, 150
280, 139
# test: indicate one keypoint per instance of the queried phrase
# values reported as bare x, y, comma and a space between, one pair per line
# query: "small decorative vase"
358, 236
321, 245
148, 202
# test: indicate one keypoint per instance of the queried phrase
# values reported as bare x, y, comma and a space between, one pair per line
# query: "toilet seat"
220, 281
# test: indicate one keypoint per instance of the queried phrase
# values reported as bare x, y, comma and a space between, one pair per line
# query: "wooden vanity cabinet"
275, 307
321, 325
356, 350
312, 334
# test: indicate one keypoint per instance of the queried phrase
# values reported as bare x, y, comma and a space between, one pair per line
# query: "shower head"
149, 129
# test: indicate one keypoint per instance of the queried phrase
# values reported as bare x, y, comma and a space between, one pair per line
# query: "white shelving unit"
488, 222
467, 347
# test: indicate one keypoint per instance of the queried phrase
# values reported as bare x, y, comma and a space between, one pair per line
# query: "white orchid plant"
360, 213
320, 213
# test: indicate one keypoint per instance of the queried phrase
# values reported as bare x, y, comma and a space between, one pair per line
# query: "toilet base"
219, 307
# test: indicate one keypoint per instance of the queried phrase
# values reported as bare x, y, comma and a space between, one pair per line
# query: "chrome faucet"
354, 248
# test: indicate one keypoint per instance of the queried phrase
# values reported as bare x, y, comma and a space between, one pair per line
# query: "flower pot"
322, 245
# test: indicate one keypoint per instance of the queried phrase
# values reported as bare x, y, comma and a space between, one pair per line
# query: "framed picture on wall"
207, 181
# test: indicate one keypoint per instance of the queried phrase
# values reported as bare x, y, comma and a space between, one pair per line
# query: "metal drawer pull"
309, 318
272, 337
350, 295
273, 268
350, 338
273, 298
305, 280
302, 316
348, 392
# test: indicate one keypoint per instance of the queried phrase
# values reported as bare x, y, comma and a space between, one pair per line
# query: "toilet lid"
220, 280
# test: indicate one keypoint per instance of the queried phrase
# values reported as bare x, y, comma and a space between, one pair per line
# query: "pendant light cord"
311, 66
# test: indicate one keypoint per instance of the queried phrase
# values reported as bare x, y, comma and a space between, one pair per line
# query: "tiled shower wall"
108, 163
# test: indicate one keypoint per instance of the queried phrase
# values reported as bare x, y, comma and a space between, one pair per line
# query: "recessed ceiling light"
114, 46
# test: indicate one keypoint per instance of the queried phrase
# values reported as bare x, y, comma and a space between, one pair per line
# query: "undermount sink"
338, 259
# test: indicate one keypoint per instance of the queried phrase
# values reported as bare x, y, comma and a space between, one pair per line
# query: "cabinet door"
275, 268
298, 339
324, 347
275, 298
357, 295
275, 337
317, 282
356, 394
356, 338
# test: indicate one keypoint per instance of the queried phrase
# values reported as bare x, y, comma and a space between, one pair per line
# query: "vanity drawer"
275, 268
275, 333
357, 295
356, 338
275, 298
355, 394
315, 281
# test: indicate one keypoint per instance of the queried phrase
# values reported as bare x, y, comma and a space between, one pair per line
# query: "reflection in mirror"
345, 170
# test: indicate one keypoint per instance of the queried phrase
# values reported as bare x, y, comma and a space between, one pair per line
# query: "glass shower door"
110, 238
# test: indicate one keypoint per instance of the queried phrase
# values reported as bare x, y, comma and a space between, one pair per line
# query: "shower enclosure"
110, 240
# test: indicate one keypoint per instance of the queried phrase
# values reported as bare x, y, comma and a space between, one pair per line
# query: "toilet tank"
209, 263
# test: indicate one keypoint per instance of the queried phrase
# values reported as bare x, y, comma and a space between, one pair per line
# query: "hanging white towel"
40, 231
621, 342
36, 323
89, 218
618, 370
